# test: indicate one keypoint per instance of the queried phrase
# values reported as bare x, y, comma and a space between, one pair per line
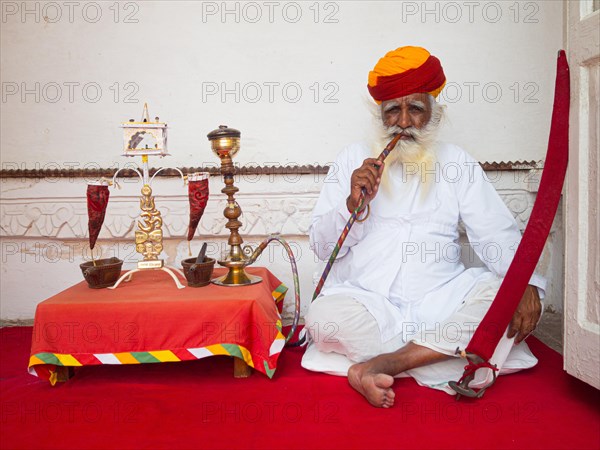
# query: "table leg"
240, 368
63, 373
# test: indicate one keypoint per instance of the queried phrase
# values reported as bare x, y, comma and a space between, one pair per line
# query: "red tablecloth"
149, 320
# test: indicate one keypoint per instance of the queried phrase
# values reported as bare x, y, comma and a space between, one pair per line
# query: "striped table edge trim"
279, 293
49, 361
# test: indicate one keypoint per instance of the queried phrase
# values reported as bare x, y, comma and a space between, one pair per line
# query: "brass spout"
255, 254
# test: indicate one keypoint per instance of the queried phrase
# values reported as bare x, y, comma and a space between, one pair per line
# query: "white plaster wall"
295, 85
72, 71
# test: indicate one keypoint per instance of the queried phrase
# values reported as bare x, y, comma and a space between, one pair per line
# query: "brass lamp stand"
146, 138
225, 143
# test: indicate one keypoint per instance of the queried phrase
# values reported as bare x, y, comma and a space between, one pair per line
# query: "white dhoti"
342, 332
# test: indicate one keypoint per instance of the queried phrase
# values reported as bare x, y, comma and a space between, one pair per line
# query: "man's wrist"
351, 208
535, 291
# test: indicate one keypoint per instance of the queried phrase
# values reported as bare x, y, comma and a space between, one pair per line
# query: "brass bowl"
103, 274
224, 141
198, 274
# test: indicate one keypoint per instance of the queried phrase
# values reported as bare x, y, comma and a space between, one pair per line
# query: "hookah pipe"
250, 255
386, 151
253, 255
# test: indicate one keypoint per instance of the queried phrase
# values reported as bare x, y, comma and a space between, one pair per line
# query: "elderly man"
398, 301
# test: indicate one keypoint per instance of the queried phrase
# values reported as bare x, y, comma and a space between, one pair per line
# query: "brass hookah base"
238, 260
236, 276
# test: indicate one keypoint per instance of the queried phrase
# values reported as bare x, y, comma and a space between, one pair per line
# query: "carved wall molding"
167, 172
263, 214
66, 218
512, 165
94, 173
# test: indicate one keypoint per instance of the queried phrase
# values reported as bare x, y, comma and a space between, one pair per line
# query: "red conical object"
198, 196
97, 201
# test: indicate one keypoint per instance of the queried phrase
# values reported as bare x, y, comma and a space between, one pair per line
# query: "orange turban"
405, 71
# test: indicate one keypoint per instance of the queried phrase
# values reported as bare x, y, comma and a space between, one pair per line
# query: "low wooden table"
149, 320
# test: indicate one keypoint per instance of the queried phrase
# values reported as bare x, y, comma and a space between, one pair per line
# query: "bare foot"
375, 387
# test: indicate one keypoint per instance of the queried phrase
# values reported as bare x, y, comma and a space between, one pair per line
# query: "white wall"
69, 80
499, 58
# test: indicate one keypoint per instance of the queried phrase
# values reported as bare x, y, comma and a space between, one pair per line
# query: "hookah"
225, 143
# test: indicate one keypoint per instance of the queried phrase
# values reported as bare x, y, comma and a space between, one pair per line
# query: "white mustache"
411, 132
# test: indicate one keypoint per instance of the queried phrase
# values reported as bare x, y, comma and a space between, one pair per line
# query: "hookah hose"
282, 241
386, 151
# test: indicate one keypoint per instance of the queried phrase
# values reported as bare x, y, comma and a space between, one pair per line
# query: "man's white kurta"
404, 262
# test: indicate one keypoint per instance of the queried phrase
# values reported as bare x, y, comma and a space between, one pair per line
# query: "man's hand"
367, 176
526, 316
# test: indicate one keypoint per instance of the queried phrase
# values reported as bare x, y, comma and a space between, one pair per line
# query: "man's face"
411, 111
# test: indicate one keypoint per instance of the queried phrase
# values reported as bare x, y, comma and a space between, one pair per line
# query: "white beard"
417, 151
416, 156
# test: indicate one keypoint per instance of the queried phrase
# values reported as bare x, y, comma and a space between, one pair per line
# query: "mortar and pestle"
198, 270
102, 273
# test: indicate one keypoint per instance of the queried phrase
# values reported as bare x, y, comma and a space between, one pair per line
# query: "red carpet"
198, 404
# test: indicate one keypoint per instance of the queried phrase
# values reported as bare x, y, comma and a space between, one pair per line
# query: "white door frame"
582, 280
